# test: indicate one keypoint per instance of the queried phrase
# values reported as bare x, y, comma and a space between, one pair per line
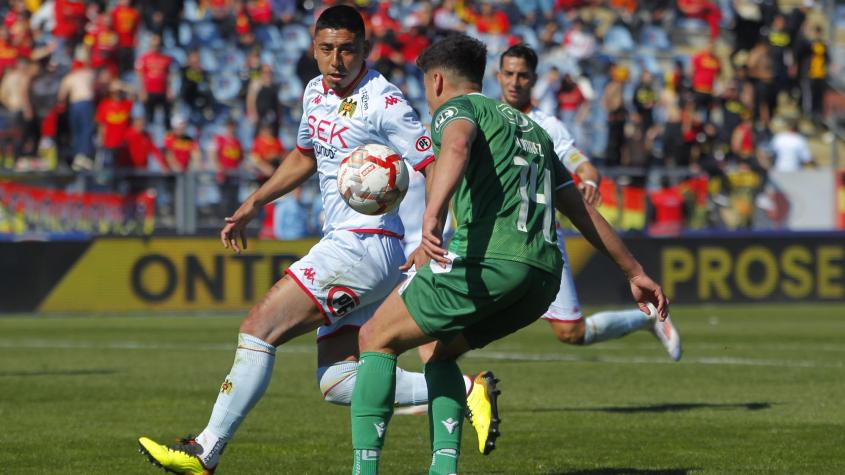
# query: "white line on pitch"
480, 354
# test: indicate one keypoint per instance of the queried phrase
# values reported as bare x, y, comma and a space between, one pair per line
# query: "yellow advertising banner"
171, 274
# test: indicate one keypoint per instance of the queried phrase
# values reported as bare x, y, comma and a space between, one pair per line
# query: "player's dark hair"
341, 17
523, 51
458, 53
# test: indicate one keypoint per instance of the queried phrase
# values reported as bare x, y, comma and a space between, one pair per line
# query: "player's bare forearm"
294, 170
589, 186
596, 230
588, 173
450, 166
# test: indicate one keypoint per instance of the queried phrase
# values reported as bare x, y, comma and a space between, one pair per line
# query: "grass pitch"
759, 390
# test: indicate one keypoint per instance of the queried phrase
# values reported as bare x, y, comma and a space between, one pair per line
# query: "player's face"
340, 56
516, 80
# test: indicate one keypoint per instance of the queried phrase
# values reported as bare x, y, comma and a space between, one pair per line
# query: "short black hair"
523, 51
341, 17
458, 53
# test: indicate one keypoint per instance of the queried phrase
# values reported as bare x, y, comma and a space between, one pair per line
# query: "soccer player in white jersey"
517, 75
338, 285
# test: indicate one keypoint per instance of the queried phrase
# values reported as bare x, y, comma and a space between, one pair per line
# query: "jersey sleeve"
567, 153
303, 135
401, 128
456, 109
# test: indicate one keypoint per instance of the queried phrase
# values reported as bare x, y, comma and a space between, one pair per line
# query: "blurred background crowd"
686, 106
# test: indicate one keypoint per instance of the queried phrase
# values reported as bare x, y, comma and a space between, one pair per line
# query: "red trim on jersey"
348, 88
424, 163
376, 231
302, 286
552, 318
305, 150
339, 331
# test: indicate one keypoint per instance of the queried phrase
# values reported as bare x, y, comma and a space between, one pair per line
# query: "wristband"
590, 183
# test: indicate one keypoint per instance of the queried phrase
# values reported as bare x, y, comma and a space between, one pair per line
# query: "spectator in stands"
195, 91
306, 66
139, 148
125, 20
573, 106
491, 20
761, 71
13, 100
153, 68
667, 210
163, 16
732, 111
113, 116
180, 149
77, 90
578, 42
103, 43
267, 152
705, 10
705, 70
8, 51
670, 103
790, 149
262, 100
617, 116
645, 98
743, 140
780, 49
814, 61
42, 97
446, 18
227, 155
70, 21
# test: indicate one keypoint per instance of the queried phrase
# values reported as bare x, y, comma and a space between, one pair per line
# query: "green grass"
760, 390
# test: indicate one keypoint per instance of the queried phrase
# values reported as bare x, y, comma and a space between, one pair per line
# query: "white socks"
242, 388
609, 325
338, 380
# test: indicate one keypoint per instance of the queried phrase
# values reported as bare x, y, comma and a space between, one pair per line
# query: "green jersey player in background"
503, 266
517, 75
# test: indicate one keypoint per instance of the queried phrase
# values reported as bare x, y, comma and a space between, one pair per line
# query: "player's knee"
368, 338
571, 333
337, 382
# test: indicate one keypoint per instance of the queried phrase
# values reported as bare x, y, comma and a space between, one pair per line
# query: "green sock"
446, 408
444, 462
372, 406
365, 462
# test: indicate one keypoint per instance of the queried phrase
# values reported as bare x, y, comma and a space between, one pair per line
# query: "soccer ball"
372, 179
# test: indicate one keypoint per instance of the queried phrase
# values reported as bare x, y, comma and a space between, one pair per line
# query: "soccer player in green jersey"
502, 269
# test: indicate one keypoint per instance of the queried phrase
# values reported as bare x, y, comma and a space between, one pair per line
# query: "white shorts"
565, 307
348, 275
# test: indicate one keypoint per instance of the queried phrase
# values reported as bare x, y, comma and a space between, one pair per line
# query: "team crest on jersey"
515, 117
444, 116
347, 107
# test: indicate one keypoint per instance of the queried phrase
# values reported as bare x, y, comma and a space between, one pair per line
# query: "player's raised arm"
297, 167
458, 136
604, 238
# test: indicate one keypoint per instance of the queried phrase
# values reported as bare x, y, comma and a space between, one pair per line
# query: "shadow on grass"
67, 372
656, 408
625, 471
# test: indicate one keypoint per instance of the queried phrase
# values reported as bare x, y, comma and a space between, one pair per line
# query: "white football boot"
668, 335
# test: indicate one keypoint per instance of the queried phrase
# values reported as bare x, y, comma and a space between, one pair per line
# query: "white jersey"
370, 110
565, 307
565, 149
411, 211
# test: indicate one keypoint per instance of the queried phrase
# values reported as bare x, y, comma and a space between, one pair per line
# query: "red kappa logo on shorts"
341, 301
309, 274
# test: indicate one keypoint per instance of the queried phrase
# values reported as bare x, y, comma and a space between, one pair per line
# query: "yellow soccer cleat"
181, 458
482, 411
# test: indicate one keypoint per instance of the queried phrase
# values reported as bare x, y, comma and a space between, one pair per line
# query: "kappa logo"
444, 116
423, 143
450, 424
380, 428
226, 387
347, 107
309, 274
317, 99
390, 101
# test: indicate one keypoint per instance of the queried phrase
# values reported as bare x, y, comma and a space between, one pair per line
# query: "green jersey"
504, 204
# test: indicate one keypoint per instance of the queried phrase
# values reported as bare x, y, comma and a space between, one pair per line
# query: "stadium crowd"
674, 99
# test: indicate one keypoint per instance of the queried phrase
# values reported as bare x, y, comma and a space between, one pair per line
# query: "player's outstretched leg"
284, 313
483, 410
